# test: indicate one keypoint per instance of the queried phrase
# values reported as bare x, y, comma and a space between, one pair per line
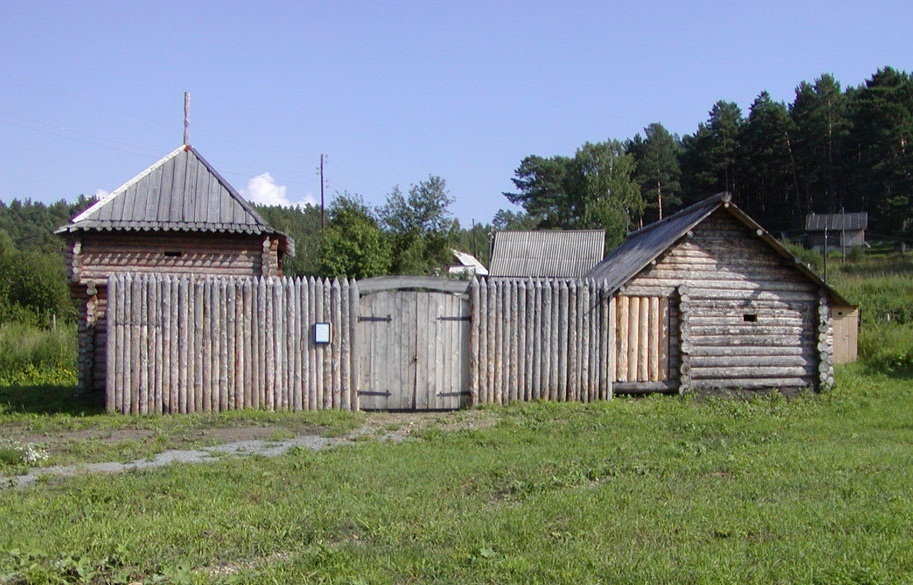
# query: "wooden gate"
413, 344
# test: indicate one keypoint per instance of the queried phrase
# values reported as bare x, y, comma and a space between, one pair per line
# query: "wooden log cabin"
178, 216
721, 304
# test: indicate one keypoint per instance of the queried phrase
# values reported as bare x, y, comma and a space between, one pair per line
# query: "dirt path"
244, 441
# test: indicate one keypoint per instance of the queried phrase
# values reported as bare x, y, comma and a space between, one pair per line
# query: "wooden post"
352, 332
474, 328
622, 318
643, 357
573, 355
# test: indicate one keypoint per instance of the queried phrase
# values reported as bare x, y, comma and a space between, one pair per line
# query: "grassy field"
810, 490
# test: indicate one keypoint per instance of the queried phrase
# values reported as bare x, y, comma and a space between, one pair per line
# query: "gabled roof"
181, 192
645, 245
818, 222
549, 253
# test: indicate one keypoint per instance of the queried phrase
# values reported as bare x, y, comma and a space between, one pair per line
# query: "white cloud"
101, 193
264, 190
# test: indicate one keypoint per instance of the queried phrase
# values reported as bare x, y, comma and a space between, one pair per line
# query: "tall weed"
29, 354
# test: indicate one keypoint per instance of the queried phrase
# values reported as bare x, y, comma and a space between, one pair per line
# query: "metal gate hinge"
388, 318
386, 393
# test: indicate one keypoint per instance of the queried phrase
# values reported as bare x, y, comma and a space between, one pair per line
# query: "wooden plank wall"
205, 344
539, 339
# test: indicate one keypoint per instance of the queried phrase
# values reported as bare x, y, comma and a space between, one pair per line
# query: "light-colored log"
643, 353
622, 318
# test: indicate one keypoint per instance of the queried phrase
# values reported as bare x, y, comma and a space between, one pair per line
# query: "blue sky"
392, 92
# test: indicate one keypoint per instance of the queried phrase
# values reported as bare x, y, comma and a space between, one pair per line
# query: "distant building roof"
818, 222
468, 264
549, 253
181, 192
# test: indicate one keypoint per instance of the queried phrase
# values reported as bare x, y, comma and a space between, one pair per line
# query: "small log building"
735, 308
179, 216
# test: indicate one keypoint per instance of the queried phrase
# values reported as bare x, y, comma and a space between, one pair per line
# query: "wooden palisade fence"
198, 344
540, 339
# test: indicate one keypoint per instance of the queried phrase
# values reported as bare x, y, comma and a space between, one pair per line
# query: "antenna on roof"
186, 118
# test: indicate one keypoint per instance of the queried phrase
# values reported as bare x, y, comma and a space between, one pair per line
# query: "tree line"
831, 149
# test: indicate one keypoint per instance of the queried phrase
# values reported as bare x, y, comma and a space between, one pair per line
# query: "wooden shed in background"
177, 216
727, 305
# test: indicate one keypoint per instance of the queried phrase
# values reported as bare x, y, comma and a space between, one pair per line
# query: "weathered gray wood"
313, 375
645, 387
384, 283
474, 342
512, 380
563, 336
608, 354
483, 358
573, 355
111, 371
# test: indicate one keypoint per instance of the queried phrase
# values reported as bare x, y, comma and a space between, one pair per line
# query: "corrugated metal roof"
181, 192
818, 222
558, 253
645, 245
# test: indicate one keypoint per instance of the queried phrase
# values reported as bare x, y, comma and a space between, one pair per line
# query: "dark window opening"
173, 254
750, 317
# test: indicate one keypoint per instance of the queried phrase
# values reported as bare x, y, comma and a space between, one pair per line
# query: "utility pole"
323, 212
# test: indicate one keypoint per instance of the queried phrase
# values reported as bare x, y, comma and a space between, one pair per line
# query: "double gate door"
413, 350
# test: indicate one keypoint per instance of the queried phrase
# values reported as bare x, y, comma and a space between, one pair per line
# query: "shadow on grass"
50, 399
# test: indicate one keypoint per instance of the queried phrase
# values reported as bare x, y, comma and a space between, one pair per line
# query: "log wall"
205, 344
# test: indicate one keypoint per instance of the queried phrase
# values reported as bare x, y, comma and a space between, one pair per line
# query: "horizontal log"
752, 330
750, 325
744, 372
705, 350
647, 291
752, 361
703, 293
383, 283
644, 387
749, 304
755, 383
741, 341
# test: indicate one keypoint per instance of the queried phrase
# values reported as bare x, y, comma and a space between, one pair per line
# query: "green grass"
29, 354
75, 429
809, 490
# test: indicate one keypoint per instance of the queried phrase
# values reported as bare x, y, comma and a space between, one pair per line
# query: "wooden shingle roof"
646, 245
181, 192
546, 253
